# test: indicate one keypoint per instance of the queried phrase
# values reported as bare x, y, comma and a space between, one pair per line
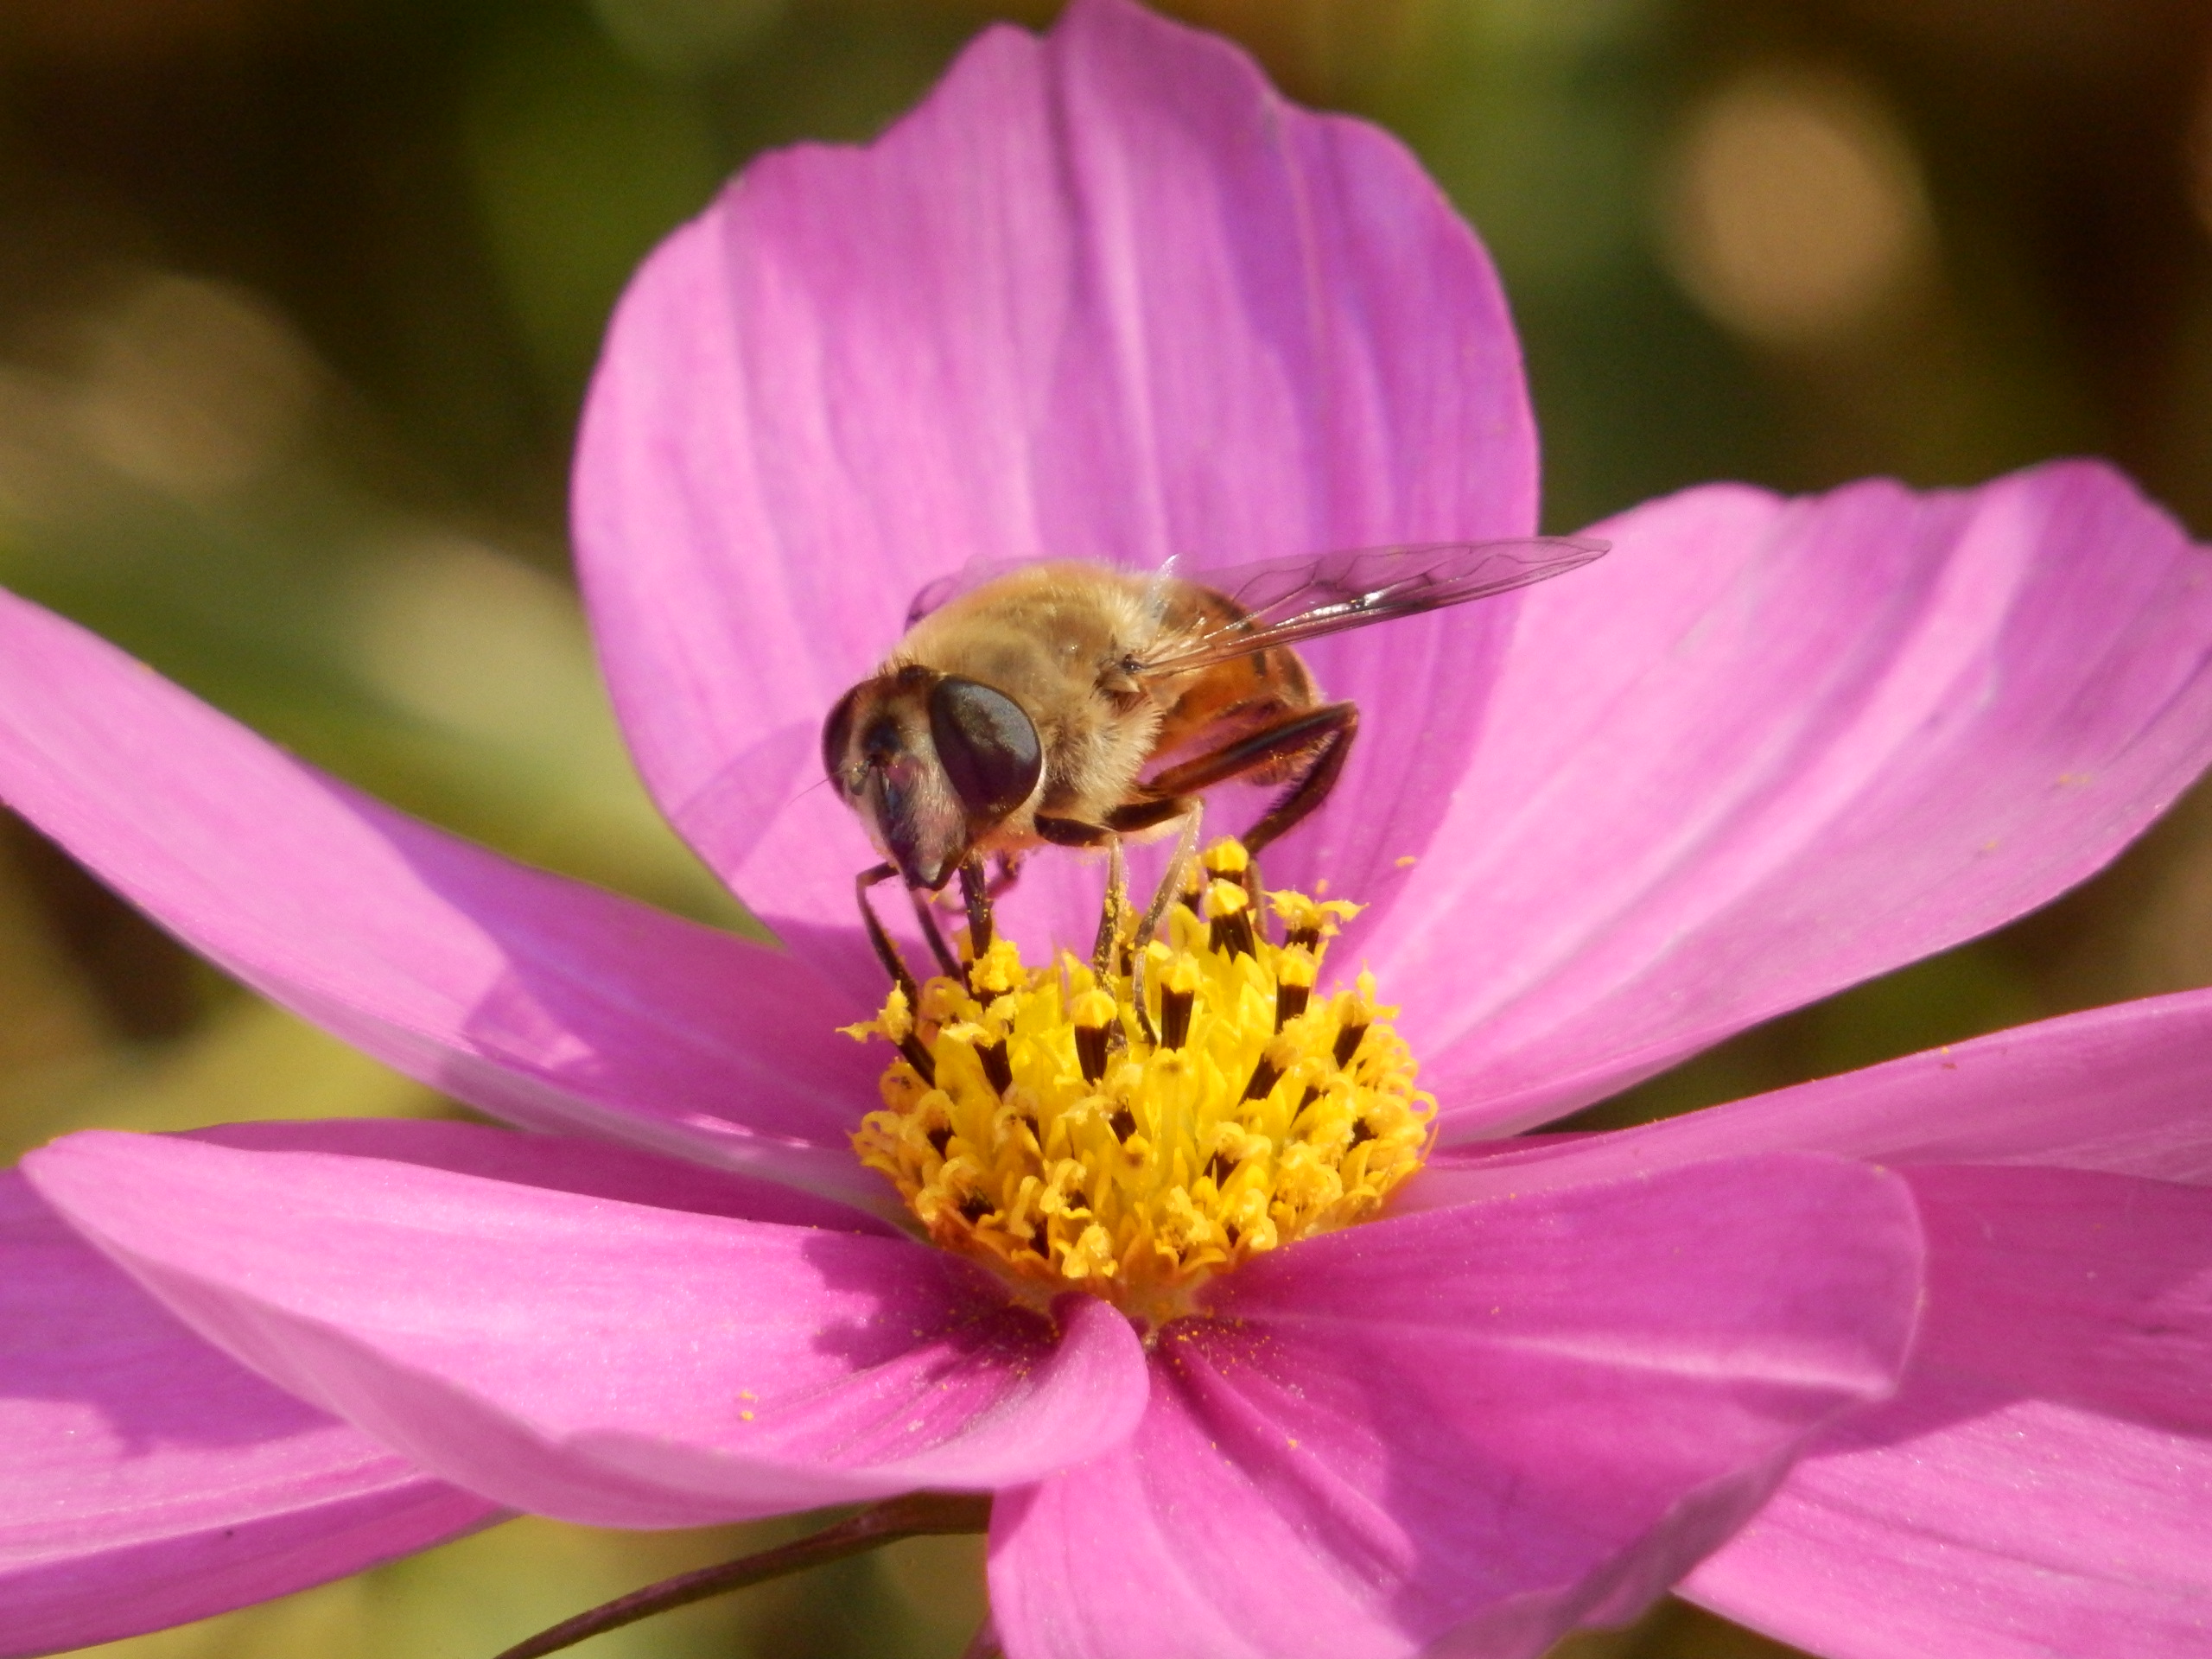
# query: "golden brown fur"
1069, 642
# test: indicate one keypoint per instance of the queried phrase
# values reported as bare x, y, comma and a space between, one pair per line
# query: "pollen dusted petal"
1104, 294
147, 1480
1476, 1427
599, 1360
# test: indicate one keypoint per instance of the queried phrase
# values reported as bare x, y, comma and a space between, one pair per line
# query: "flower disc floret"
1038, 1119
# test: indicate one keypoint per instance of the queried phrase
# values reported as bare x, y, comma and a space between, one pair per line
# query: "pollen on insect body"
1040, 1120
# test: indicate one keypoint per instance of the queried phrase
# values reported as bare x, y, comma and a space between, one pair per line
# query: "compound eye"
837, 739
988, 747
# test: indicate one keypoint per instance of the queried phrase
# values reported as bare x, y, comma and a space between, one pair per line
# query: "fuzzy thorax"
1037, 1121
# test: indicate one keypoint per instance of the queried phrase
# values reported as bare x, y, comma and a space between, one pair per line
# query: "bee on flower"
1212, 1271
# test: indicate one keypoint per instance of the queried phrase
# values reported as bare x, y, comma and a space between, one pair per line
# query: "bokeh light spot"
193, 387
1793, 209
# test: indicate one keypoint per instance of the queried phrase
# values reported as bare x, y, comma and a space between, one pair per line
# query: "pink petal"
146, 1480
541, 1000
2042, 1483
1476, 1428
2126, 1090
591, 1168
1768, 747
1104, 295
599, 1360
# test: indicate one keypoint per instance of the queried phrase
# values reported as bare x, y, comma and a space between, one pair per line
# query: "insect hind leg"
1325, 733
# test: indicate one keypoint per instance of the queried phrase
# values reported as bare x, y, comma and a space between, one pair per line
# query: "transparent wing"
1284, 601
971, 576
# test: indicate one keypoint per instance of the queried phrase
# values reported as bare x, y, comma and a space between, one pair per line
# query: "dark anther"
940, 1139
1348, 1042
1290, 1002
1123, 1123
1360, 1133
1308, 937
1220, 1167
996, 1067
918, 1058
975, 1207
1312, 1093
1265, 1076
1194, 889
1175, 1017
1232, 933
1091, 1052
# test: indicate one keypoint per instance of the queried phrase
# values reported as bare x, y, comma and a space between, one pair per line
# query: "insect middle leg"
1103, 947
975, 894
1171, 884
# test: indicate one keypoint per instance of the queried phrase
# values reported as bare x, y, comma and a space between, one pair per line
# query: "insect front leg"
895, 965
925, 913
885, 951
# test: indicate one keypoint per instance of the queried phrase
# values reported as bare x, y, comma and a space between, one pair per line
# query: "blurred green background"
296, 302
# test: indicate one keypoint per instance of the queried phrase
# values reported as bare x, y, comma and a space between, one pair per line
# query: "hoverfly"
1028, 702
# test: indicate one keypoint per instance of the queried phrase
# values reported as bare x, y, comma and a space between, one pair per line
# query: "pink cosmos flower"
1941, 1327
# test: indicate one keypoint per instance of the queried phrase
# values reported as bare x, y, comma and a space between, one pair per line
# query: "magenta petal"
2042, 1481
1766, 748
2125, 1090
541, 1000
598, 1360
1476, 1428
1104, 295
145, 1479
562, 1163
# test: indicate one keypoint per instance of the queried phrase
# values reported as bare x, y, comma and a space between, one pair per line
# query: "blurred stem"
911, 1516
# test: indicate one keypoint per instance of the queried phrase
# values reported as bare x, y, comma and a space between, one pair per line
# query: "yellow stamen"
1075, 1146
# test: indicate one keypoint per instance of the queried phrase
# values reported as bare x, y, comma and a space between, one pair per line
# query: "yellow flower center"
1037, 1120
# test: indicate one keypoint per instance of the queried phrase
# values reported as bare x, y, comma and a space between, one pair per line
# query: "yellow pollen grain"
1074, 1145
